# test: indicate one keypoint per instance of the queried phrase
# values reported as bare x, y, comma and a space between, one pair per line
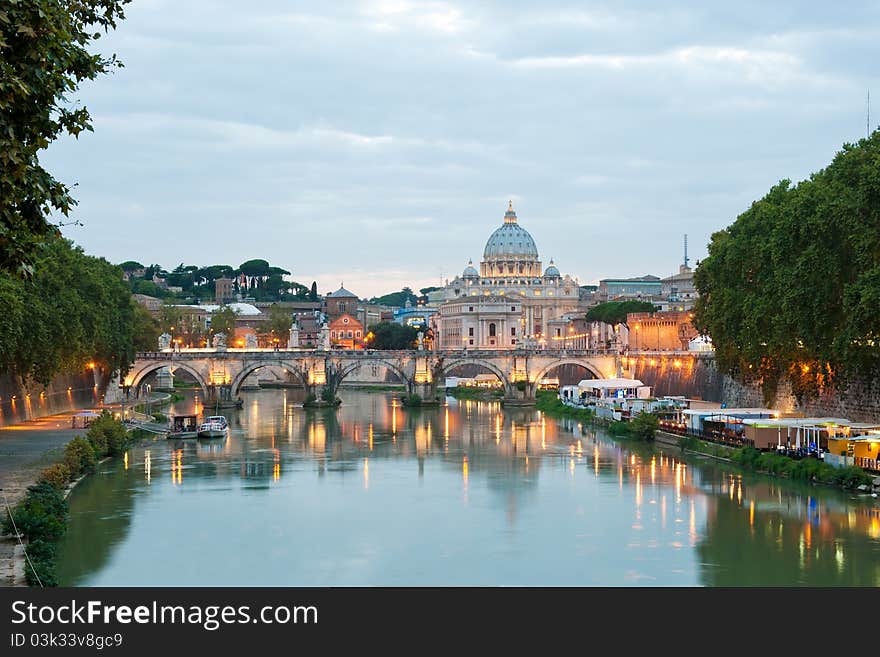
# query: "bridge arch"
347, 368
149, 368
497, 371
250, 368
580, 362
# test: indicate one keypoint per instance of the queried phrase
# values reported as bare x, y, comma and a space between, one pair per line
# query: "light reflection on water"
471, 493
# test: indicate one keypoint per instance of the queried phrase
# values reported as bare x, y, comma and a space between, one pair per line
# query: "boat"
183, 426
214, 426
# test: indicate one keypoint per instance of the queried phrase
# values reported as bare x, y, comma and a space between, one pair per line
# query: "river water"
467, 494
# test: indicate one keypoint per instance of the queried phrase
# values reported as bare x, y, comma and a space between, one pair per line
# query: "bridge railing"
371, 353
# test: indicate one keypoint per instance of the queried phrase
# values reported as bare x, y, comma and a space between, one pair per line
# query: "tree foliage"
387, 335
44, 56
76, 309
278, 326
223, 321
396, 299
791, 289
145, 329
615, 312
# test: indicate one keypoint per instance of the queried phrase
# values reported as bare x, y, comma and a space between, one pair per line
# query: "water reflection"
470, 493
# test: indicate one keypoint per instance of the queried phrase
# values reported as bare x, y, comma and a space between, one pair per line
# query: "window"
470, 309
558, 332
471, 331
471, 341
357, 334
512, 331
492, 330
513, 309
350, 335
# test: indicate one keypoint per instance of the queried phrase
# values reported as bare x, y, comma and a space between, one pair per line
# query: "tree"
223, 321
791, 288
313, 293
170, 319
278, 326
130, 265
388, 335
75, 310
44, 56
397, 299
145, 329
615, 312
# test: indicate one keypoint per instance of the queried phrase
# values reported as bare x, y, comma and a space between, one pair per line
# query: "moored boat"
214, 426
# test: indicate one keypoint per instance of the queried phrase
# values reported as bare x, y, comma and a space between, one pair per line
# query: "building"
224, 290
511, 299
152, 304
340, 302
680, 287
661, 331
346, 332
618, 289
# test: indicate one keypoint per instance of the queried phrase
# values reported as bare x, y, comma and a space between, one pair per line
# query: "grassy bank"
806, 469
484, 394
40, 518
641, 427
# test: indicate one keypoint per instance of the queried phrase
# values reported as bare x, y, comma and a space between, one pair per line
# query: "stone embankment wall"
20, 402
696, 377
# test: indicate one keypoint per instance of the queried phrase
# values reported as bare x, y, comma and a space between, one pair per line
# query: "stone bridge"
221, 372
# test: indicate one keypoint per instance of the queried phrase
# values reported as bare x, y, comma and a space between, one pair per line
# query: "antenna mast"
685, 250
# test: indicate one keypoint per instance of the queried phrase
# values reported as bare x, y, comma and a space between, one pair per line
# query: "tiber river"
467, 494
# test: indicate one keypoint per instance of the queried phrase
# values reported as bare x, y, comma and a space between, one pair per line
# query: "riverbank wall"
22, 401
696, 376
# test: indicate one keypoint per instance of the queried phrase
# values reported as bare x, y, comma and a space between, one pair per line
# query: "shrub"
643, 426
618, 429
311, 398
108, 436
41, 558
40, 515
160, 417
79, 457
57, 475
411, 400
327, 395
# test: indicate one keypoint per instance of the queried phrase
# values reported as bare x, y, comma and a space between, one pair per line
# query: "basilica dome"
510, 240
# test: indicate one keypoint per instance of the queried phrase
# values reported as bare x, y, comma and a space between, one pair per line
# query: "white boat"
214, 426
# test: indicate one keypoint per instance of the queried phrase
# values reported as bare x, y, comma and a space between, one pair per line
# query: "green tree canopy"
615, 312
223, 321
313, 292
131, 265
278, 326
254, 268
75, 310
791, 289
44, 56
397, 299
145, 329
388, 335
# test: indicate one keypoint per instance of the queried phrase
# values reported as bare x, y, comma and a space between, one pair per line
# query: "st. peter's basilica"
511, 301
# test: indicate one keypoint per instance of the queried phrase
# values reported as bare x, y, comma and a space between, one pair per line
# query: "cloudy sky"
377, 143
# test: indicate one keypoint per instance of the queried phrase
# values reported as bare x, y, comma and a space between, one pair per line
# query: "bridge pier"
521, 393
427, 391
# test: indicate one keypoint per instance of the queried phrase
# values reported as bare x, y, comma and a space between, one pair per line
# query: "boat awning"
606, 384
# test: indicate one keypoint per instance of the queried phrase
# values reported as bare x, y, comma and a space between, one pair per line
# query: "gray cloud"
378, 142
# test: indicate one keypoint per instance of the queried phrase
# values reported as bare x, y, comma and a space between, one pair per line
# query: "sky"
378, 143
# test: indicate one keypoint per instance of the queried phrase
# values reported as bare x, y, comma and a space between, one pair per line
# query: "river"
467, 494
